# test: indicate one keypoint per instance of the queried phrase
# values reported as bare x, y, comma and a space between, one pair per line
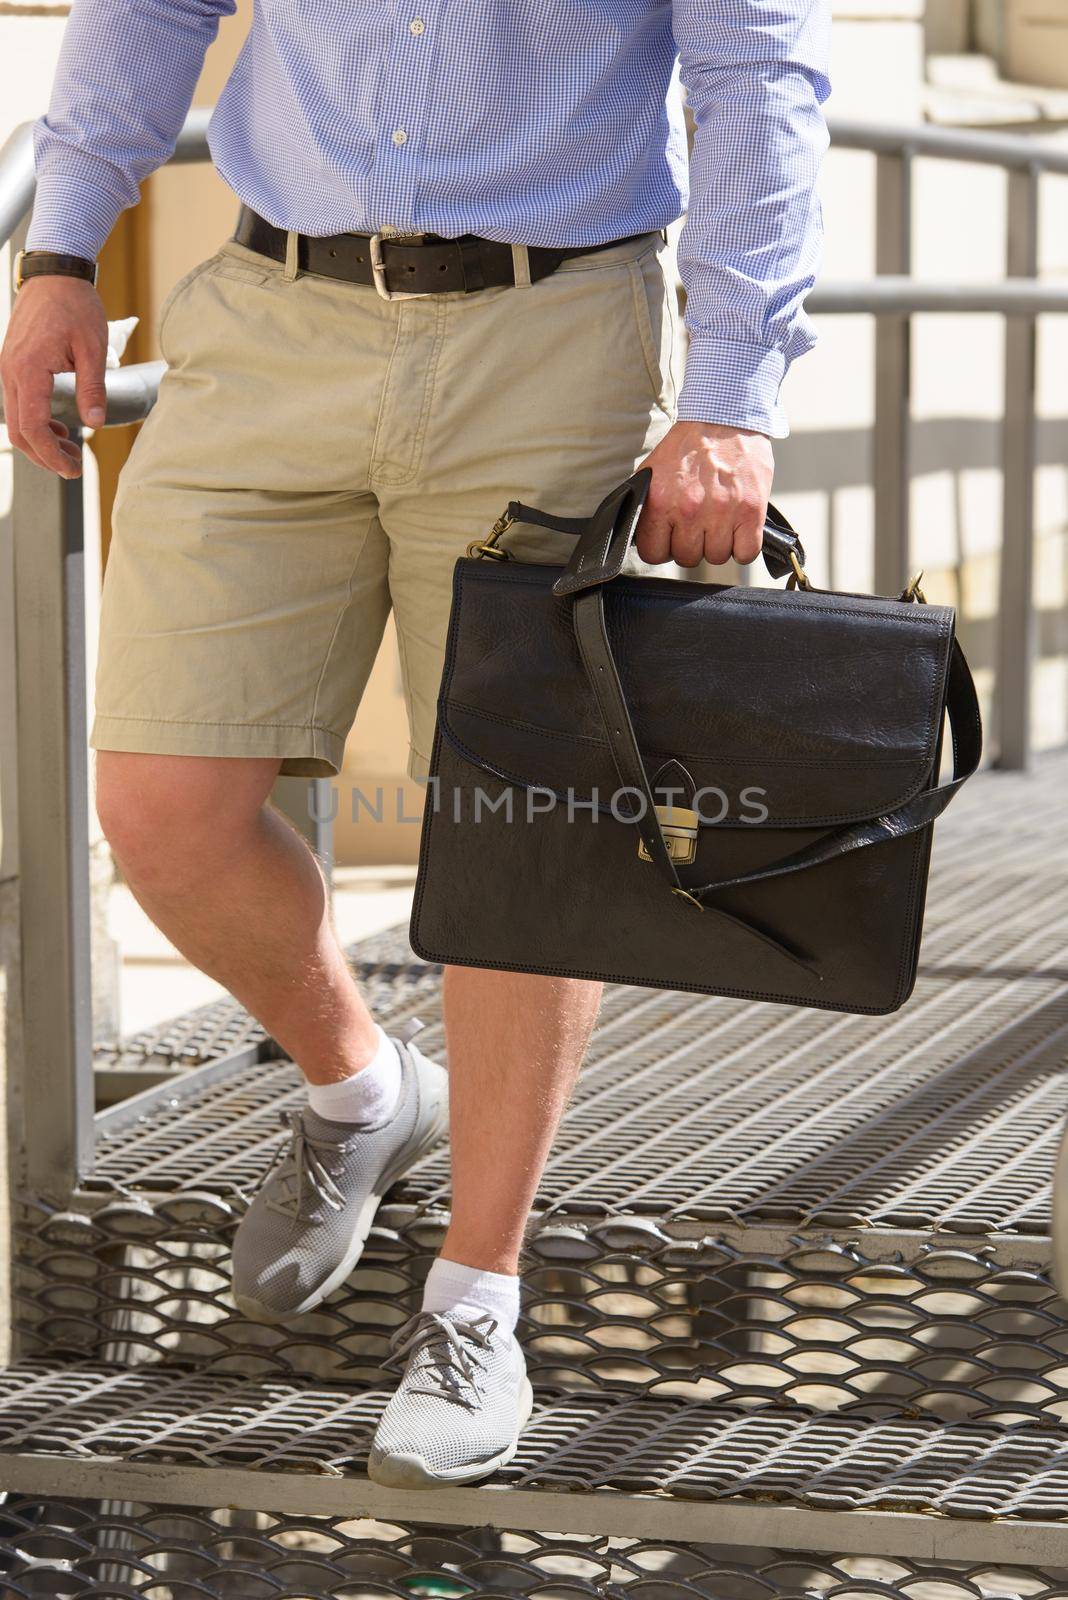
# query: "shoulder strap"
598, 660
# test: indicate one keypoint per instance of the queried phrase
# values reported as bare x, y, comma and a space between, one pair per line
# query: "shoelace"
304, 1180
452, 1345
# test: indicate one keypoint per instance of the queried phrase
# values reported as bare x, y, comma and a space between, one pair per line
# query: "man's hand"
57, 325
708, 497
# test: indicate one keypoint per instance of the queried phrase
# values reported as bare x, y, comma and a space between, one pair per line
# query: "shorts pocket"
228, 262
175, 294
657, 316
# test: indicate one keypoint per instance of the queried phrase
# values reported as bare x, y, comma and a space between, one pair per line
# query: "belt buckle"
378, 272
378, 267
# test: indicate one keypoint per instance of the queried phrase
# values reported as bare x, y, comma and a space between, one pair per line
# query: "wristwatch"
48, 263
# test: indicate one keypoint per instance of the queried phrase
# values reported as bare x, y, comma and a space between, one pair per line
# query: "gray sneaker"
307, 1224
460, 1406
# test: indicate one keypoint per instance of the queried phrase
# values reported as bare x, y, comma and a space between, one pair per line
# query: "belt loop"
292, 254
471, 264
521, 266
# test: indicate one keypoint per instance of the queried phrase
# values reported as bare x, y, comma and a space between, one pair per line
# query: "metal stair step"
951, 1333
610, 1464
53, 1549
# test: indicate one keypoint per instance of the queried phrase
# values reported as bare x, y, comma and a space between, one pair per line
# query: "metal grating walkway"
696, 1110
106, 1418
786, 1292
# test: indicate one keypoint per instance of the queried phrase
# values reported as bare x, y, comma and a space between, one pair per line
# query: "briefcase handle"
605, 538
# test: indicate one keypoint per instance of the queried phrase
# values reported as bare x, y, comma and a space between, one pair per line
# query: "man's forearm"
755, 78
125, 79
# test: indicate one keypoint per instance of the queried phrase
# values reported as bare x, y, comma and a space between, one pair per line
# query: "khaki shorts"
319, 455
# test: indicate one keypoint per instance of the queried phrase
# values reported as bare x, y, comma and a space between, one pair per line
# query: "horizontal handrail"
17, 179
131, 393
887, 296
1011, 151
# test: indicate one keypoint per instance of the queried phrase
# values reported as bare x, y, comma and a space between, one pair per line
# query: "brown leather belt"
425, 265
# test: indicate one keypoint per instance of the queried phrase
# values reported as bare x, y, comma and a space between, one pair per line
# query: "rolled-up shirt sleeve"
755, 73
124, 82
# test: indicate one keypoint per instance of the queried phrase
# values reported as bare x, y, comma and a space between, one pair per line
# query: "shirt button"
417, 26
399, 136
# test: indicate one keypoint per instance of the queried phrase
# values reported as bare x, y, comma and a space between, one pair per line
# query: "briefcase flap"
792, 709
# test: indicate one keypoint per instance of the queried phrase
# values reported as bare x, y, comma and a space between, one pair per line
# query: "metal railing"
50, 646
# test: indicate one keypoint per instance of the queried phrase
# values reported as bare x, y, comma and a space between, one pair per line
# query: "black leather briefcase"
683, 785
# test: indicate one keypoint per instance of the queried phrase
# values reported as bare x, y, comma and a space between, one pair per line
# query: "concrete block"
1035, 47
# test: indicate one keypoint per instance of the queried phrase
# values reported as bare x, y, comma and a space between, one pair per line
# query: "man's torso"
552, 124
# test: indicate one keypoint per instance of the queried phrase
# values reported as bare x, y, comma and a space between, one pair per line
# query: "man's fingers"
719, 529
653, 541
35, 426
749, 536
14, 431
687, 511
653, 537
70, 449
89, 390
707, 497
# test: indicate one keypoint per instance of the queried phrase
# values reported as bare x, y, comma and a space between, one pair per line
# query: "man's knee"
162, 813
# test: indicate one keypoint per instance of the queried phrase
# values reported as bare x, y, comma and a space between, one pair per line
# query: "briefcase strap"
605, 541
962, 707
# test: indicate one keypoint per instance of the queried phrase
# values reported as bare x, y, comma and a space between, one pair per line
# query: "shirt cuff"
71, 214
736, 385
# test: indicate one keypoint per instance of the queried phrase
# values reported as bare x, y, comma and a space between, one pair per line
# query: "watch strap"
52, 263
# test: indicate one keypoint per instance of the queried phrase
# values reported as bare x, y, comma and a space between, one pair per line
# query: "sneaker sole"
256, 1311
402, 1471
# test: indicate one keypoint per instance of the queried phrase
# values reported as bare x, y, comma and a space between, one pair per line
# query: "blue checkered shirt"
543, 122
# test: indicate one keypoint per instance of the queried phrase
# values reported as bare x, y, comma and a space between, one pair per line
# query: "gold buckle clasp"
800, 575
488, 548
679, 827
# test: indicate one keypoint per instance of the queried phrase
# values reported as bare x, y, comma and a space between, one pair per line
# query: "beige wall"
1035, 41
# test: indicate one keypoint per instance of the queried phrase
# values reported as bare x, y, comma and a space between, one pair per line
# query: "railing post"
53, 801
891, 466
1016, 612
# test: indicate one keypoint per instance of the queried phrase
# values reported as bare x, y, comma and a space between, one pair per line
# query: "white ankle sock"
452, 1287
369, 1095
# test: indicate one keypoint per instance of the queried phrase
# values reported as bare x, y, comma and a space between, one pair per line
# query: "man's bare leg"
239, 893
516, 1042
